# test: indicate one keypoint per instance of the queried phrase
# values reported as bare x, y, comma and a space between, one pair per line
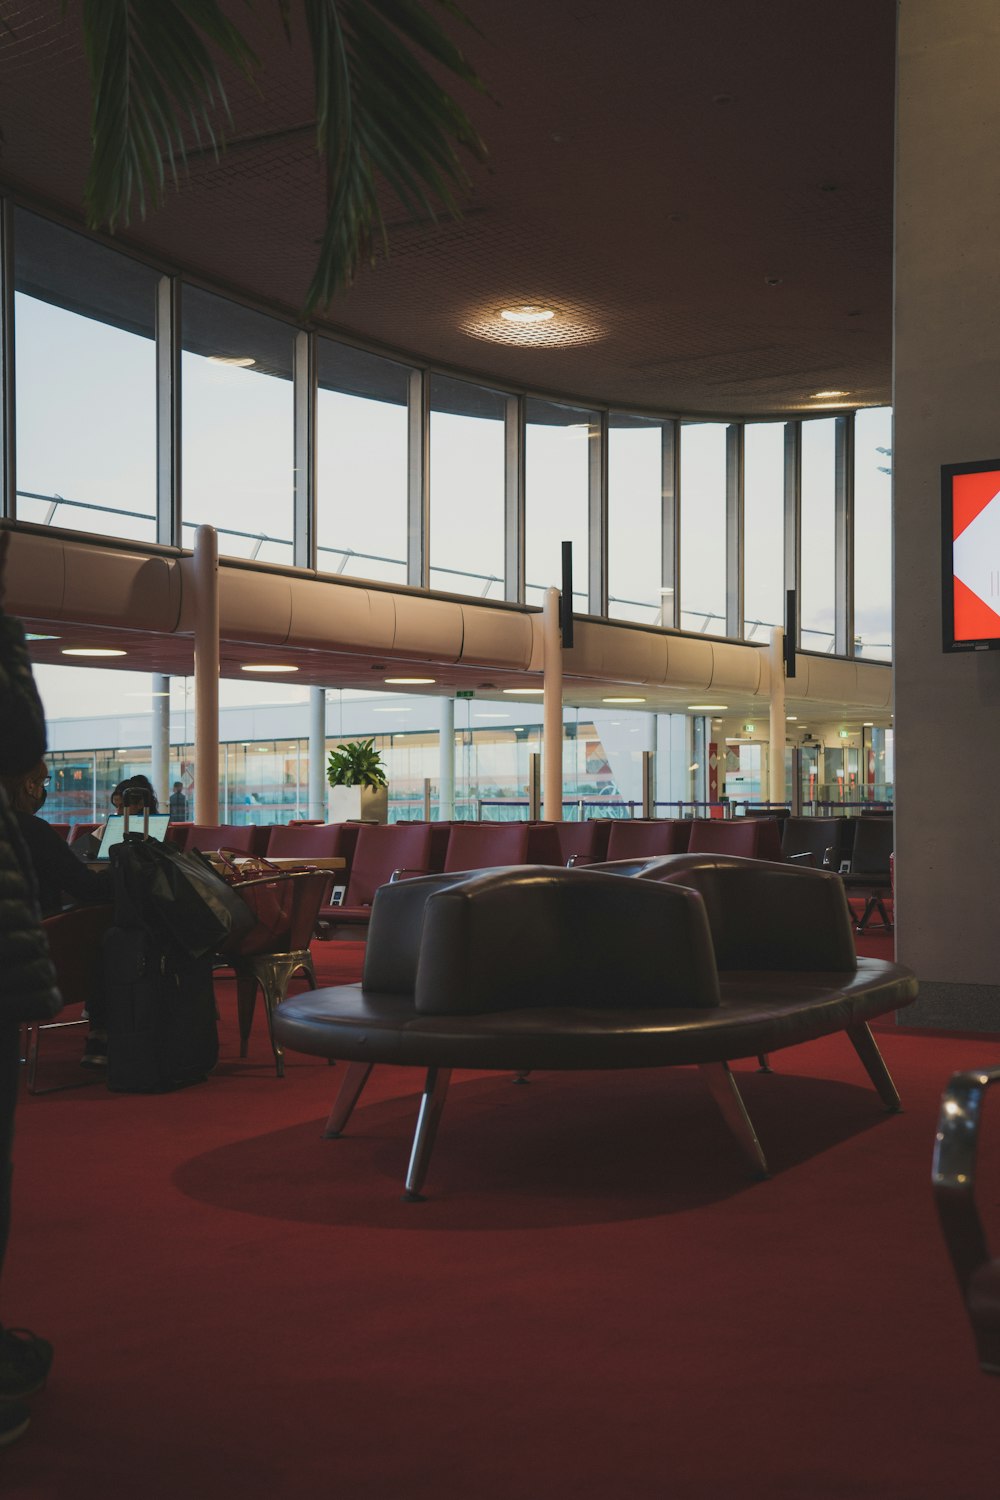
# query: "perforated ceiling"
701, 189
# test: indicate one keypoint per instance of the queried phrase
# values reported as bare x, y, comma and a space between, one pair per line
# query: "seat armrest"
404, 874
805, 858
395, 928
576, 861
953, 1172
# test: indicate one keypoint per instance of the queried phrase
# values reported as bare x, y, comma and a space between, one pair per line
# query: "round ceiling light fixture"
238, 361
92, 651
410, 681
266, 666
623, 700
524, 690
527, 312
826, 395
708, 708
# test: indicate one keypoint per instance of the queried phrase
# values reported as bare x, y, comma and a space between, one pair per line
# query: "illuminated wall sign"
970, 556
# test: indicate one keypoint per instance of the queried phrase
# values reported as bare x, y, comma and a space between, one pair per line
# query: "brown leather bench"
537, 967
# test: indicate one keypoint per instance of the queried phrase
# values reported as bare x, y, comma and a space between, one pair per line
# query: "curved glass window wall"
174, 406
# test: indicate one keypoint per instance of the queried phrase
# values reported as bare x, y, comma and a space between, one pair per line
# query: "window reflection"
703, 527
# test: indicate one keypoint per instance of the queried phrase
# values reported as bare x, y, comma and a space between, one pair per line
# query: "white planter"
348, 803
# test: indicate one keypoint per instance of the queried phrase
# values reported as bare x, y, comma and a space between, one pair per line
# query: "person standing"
178, 805
28, 989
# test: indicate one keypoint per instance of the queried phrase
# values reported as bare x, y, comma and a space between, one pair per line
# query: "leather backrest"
543, 844
221, 836
323, 840
380, 849
588, 839
543, 937
764, 915
397, 918
633, 838
480, 846
749, 838
812, 836
873, 840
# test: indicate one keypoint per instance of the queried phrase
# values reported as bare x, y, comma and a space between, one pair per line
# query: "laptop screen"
115, 831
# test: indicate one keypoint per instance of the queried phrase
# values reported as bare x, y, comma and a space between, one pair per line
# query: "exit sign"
465, 693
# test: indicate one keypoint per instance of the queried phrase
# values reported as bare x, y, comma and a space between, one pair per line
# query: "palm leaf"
381, 115
154, 79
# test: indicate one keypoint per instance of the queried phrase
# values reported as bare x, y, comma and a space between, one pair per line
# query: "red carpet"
595, 1302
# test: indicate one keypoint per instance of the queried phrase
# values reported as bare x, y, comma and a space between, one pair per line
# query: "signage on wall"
970, 555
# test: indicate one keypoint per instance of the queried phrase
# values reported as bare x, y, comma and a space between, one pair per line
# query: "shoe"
95, 1051
14, 1418
25, 1361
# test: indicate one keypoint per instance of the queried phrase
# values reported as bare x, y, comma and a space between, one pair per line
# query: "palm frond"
380, 114
153, 79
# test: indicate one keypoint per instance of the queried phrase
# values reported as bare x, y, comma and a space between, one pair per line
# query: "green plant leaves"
356, 763
381, 114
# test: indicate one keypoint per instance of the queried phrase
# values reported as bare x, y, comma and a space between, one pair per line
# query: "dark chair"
869, 873
634, 838
61, 828
585, 841
316, 841
748, 838
210, 838
75, 940
816, 838
953, 1175
297, 898
485, 846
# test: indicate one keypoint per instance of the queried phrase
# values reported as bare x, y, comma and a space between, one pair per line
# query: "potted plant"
356, 773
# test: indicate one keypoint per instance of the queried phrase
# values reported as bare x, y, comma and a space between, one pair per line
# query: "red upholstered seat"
222, 836
316, 841
483, 846
587, 840
381, 849
635, 838
748, 838
75, 940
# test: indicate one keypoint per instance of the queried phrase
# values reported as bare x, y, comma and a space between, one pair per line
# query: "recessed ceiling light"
623, 700
792, 718
29, 637
708, 708
91, 651
266, 666
410, 681
536, 691
825, 395
527, 312
868, 724
239, 361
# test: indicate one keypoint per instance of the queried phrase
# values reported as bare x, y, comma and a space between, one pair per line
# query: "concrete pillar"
776, 737
946, 378
159, 768
205, 572
446, 758
317, 752
552, 721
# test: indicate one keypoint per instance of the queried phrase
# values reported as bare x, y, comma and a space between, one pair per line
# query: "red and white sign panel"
970, 495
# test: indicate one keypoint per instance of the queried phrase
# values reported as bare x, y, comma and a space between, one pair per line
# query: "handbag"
269, 895
178, 895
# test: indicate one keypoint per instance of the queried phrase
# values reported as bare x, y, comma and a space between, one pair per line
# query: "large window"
85, 367
635, 522
361, 464
763, 528
818, 591
238, 464
703, 527
468, 488
559, 470
873, 533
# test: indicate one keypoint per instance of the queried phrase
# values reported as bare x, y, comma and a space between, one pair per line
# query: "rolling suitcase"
162, 1031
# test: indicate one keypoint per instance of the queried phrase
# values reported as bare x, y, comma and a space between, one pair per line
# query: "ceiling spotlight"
238, 361
91, 651
792, 718
527, 312
28, 636
410, 681
266, 666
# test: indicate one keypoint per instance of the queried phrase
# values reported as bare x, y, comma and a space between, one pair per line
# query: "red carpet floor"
595, 1302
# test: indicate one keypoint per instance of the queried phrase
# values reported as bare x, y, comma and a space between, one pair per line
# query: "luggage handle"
135, 837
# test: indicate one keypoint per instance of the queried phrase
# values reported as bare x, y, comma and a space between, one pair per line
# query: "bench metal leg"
727, 1096
867, 1049
350, 1091
431, 1106
764, 1063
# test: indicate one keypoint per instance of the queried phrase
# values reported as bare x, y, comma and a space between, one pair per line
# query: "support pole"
159, 769
317, 752
552, 721
446, 759
206, 675
776, 748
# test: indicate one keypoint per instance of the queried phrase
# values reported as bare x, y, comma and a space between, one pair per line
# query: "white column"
159, 769
776, 739
206, 675
552, 720
446, 758
317, 752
